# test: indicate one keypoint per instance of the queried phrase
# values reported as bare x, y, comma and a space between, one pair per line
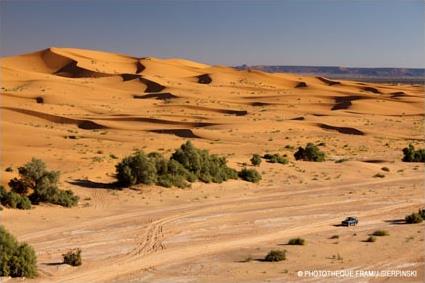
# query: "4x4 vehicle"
350, 221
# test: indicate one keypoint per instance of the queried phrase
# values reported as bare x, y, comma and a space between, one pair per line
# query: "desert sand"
80, 109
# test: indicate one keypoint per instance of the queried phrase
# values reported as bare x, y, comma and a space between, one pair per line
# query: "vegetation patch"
41, 185
371, 239
255, 160
381, 233
275, 255
72, 257
16, 259
310, 153
250, 175
412, 155
296, 241
276, 158
186, 165
415, 217
14, 200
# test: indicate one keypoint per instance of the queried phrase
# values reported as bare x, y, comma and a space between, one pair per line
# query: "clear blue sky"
368, 33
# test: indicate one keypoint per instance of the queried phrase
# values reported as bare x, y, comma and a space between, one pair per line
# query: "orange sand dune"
80, 109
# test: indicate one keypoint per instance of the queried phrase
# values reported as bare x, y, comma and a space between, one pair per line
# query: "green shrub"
412, 155
371, 239
296, 241
381, 233
188, 164
413, 218
275, 255
207, 168
73, 257
310, 153
16, 259
276, 158
14, 200
250, 175
41, 185
256, 159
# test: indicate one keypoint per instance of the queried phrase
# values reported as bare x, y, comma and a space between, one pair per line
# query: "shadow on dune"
85, 183
344, 102
158, 96
151, 86
396, 221
204, 79
182, 133
328, 81
342, 130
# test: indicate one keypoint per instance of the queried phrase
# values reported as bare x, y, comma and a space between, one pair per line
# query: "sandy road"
130, 242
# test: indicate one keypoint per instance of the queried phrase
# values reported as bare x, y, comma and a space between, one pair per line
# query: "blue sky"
355, 33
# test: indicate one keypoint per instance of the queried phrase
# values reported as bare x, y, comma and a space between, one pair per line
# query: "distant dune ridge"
94, 82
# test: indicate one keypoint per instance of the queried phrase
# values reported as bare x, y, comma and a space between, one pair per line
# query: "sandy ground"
80, 110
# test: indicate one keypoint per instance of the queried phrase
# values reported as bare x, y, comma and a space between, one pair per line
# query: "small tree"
412, 155
72, 257
41, 185
310, 153
256, 159
16, 259
250, 175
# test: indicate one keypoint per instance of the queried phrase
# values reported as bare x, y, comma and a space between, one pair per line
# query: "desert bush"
207, 168
9, 169
422, 213
296, 241
275, 255
14, 200
276, 158
136, 169
16, 259
256, 159
186, 165
309, 153
334, 237
381, 233
413, 218
41, 185
73, 257
250, 175
412, 155
371, 239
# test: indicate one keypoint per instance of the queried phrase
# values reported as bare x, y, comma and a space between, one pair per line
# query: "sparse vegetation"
412, 155
16, 259
250, 175
379, 175
41, 185
415, 217
334, 237
186, 165
296, 241
72, 257
256, 159
381, 233
275, 255
276, 158
14, 200
9, 169
309, 153
371, 239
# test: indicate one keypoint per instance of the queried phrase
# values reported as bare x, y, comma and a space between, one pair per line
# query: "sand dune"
80, 109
